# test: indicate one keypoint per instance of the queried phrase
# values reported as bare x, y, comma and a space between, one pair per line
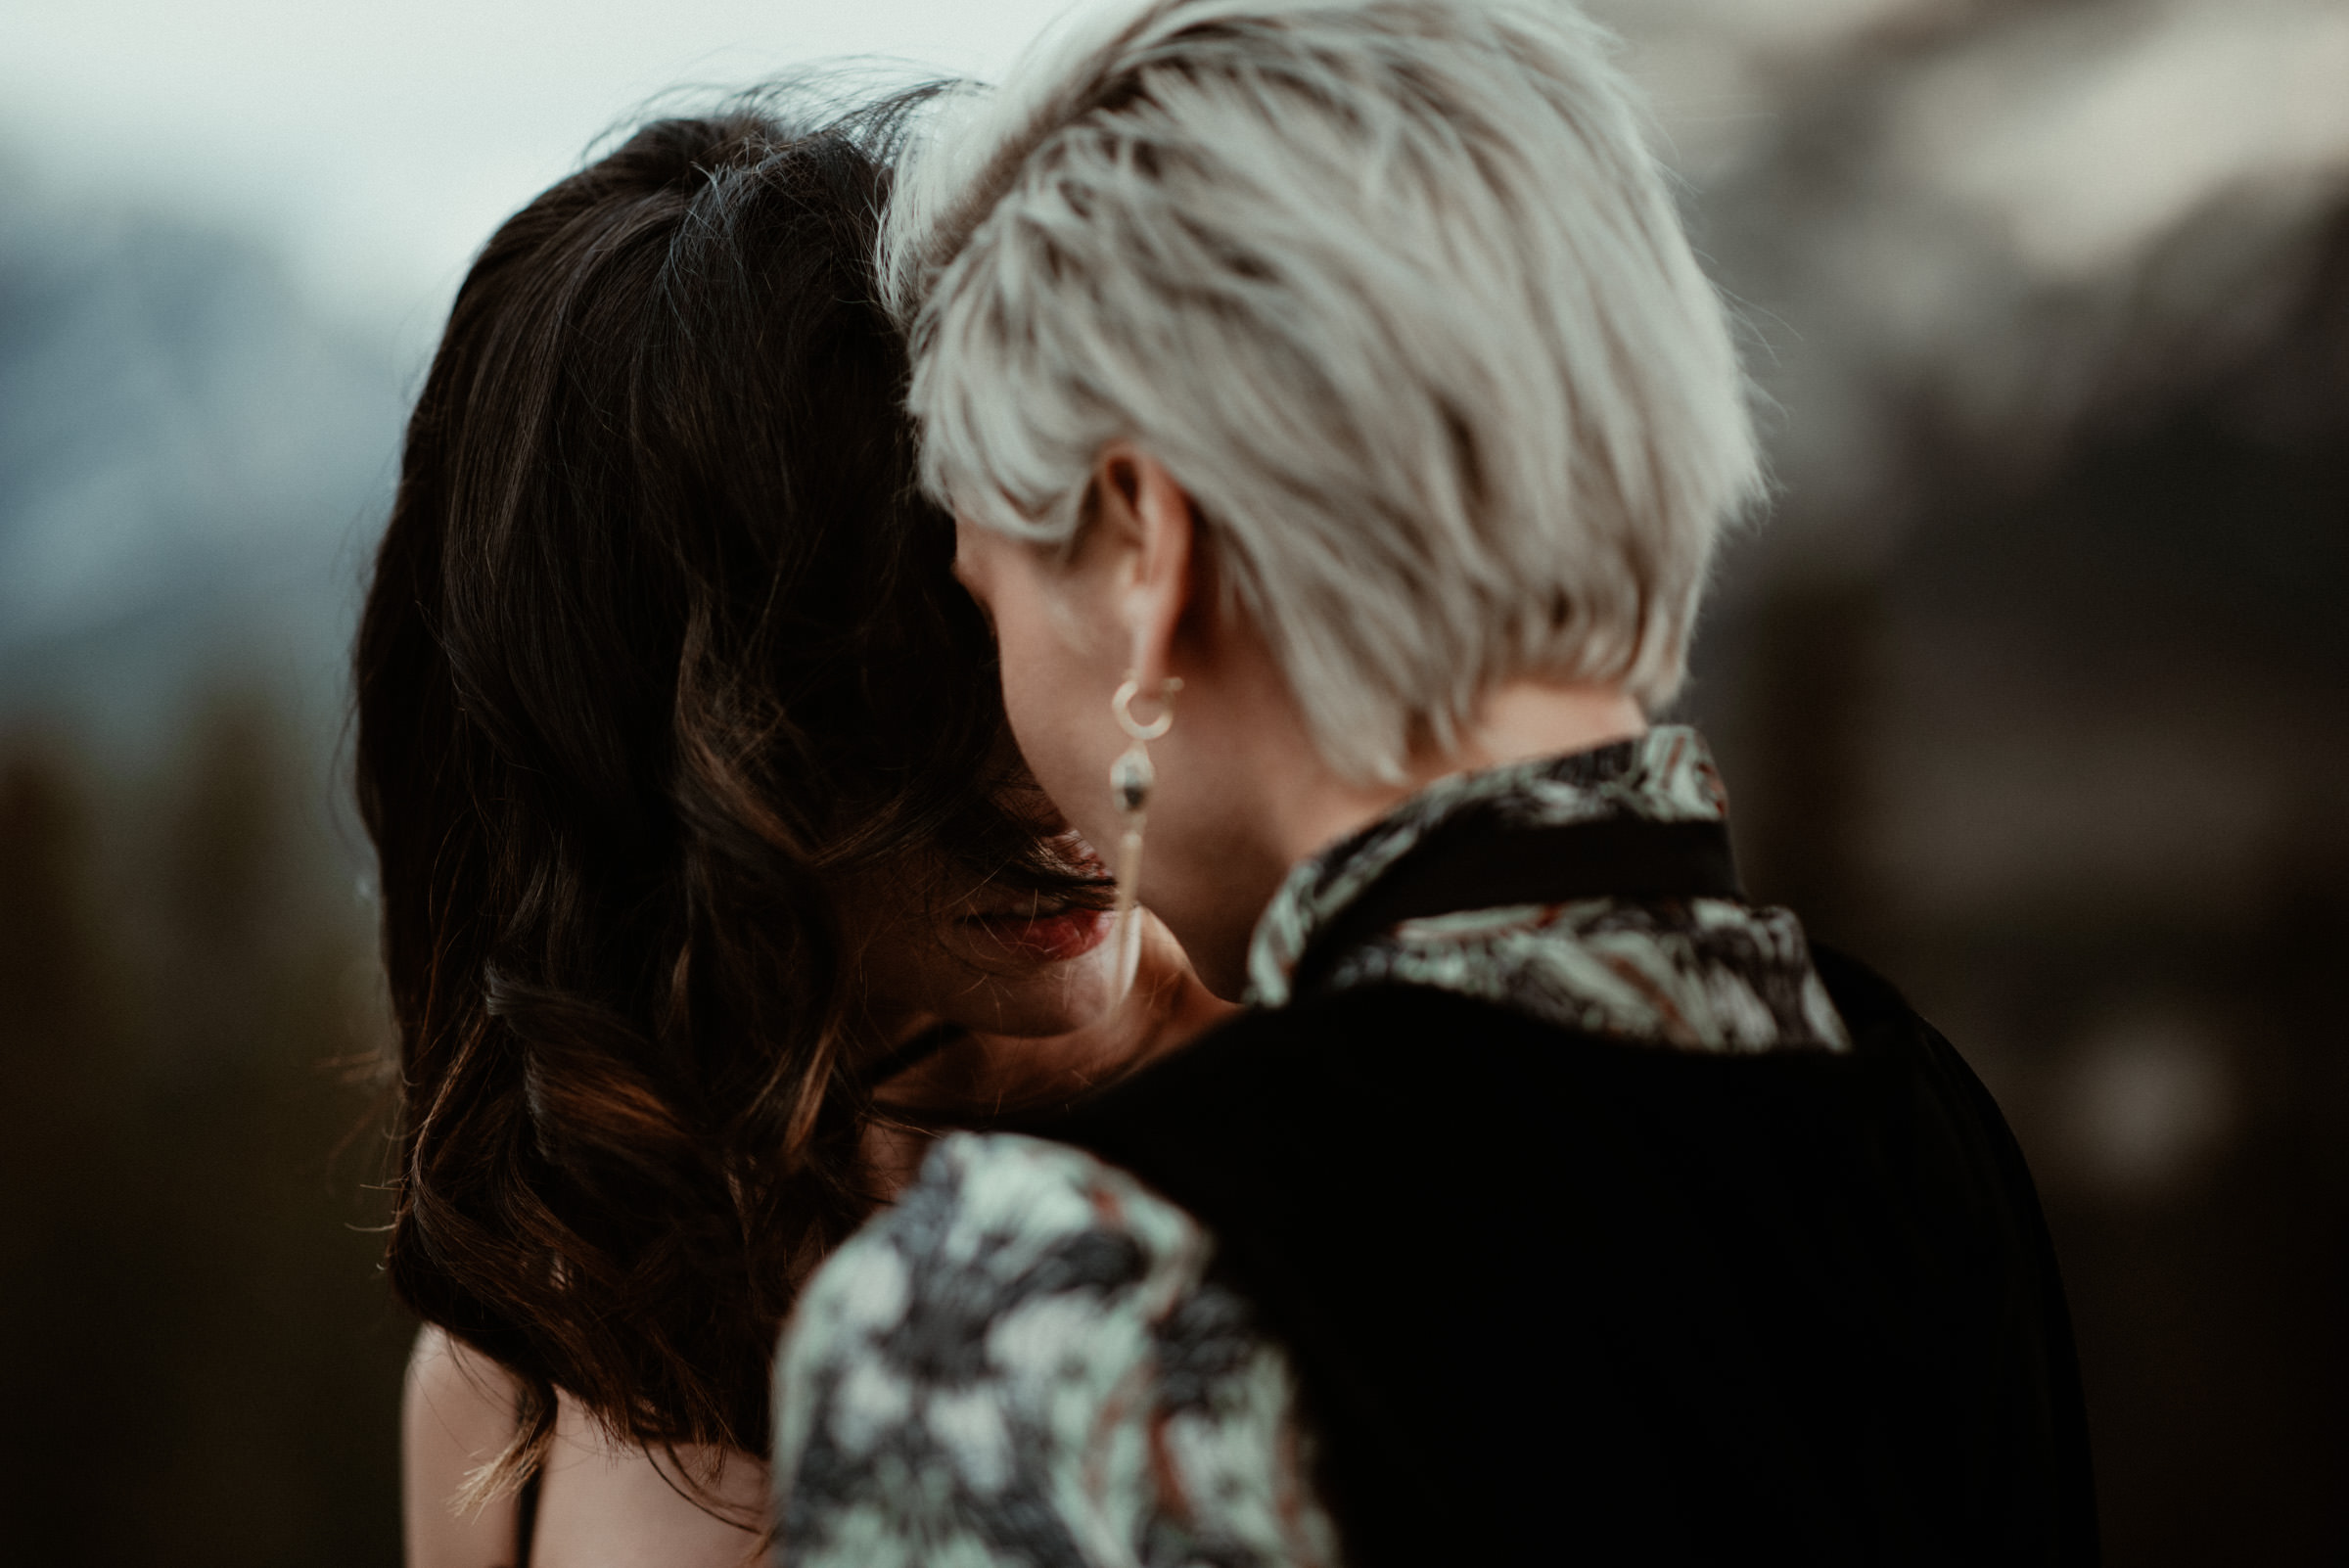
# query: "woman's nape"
686, 765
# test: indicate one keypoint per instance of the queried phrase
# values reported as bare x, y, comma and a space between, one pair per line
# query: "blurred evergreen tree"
205, 1365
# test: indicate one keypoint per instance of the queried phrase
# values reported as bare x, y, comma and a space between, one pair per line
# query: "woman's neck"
1515, 722
1296, 805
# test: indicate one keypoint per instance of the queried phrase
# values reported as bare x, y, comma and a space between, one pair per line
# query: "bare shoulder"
457, 1411
601, 1503
609, 1503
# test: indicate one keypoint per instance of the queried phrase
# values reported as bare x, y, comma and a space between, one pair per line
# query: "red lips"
1054, 938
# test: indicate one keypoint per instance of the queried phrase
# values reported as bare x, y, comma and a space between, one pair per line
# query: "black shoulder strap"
525, 1518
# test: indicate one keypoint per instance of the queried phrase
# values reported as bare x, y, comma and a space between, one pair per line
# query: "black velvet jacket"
1557, 1296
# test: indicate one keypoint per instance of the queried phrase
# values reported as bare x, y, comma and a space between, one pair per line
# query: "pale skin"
1242, 792
601, 1501
1038, 1027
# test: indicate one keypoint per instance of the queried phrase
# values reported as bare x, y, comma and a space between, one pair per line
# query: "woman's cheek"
1046, 707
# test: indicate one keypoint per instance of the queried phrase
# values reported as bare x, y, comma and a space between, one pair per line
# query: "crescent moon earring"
1131, 778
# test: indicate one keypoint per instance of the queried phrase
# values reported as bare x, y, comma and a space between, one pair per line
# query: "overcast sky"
375, 143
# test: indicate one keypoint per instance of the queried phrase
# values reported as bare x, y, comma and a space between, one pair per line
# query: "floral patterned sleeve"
1025, 1362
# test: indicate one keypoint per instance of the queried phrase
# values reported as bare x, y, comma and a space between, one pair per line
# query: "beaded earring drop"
1130, 781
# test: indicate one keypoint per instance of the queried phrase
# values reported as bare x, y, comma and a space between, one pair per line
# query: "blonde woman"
1339, 430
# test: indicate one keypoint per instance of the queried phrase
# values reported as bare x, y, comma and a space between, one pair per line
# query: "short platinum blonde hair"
1398, 293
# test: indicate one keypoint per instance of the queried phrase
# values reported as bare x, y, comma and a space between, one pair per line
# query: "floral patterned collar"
1700, 973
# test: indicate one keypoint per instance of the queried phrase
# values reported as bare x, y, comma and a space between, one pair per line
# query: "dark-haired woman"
710, 877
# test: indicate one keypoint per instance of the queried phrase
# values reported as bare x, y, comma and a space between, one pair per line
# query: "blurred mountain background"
2031, 690
202, 1363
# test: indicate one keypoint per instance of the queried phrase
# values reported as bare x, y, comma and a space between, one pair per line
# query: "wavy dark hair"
662, 644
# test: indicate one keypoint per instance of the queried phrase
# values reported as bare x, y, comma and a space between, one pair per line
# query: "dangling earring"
1131, 778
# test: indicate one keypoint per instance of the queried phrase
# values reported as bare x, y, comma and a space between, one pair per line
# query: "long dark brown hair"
662, 644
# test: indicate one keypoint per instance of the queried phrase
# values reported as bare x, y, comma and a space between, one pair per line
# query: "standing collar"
1664, 776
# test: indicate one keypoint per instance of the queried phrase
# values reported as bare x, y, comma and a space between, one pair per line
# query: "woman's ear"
1152, 522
